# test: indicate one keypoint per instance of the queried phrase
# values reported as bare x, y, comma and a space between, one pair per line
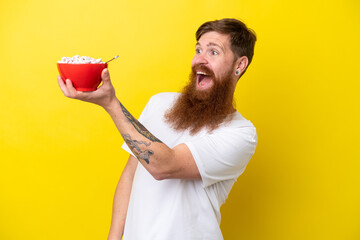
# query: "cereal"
80, 60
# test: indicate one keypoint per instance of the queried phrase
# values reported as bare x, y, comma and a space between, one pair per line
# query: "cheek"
219, 71
222, 72
228, 67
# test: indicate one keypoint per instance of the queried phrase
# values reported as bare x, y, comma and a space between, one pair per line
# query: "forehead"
215, 38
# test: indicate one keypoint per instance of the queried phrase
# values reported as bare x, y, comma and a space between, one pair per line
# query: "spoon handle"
113, 58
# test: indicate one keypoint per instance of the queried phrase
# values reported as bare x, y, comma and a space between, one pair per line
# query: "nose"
199, 59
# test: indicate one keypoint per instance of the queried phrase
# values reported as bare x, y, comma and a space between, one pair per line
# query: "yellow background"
61, 159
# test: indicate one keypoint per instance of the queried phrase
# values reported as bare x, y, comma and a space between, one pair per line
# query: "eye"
198, 50
213, 52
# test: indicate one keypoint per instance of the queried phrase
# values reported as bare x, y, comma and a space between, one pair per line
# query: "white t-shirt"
177, 209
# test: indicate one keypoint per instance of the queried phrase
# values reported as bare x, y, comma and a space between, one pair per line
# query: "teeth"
202, 73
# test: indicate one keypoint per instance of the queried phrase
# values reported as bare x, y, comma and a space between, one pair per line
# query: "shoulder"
238, 128
237, 121
165, 96
163, 100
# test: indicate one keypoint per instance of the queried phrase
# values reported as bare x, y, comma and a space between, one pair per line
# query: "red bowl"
85, 77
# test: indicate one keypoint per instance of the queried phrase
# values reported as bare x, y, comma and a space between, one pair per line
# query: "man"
188, 149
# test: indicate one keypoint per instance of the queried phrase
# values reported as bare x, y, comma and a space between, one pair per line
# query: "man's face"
213, 61
207, 99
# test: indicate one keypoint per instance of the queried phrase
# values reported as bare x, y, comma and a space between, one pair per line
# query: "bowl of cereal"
84, 72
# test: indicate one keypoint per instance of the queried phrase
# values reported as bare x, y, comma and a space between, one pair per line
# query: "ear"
241, 64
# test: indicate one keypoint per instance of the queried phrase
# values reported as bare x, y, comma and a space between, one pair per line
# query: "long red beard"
195, 110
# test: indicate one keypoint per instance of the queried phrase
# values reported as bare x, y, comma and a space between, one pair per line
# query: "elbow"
159, 175
161, 170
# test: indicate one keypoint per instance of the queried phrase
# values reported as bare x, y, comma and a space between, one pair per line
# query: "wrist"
115, 234
112, 105
114, 237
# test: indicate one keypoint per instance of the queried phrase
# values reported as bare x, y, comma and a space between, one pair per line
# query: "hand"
103, 96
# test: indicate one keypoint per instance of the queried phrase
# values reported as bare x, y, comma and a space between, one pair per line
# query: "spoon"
113, 58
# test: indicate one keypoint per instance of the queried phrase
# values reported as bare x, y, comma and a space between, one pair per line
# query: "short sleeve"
224, 154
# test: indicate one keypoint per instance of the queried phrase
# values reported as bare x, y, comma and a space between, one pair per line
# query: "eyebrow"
211, 44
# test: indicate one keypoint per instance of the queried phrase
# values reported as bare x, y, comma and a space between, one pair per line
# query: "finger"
73, 93
62, 86
105, 76
70, 88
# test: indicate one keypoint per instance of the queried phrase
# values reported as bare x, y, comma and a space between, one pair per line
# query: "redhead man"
186, 149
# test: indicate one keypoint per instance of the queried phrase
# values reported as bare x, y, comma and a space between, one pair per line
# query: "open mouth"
203, 80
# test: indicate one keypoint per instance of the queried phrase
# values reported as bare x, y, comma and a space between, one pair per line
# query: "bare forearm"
121, 200
120, 205
153, 154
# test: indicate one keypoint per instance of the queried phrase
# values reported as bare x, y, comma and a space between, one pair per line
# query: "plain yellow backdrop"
61, 159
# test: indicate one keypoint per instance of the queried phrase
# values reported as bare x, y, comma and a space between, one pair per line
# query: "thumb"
105, 76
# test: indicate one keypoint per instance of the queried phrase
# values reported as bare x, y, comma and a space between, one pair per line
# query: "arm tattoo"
135, 148
138, 126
